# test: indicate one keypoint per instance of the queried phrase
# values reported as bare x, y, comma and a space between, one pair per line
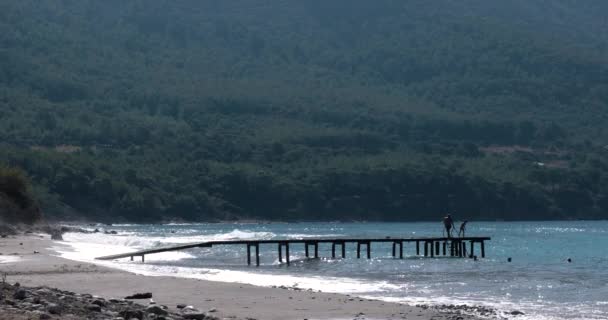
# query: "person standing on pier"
463, 228
448, 223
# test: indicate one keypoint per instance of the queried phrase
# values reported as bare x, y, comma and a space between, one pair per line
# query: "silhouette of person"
448, 223
463, 228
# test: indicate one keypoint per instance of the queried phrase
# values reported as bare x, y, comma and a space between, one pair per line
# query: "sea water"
539, 281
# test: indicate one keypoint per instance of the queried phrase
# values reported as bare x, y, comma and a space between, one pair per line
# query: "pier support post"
394, 249
437, 248
444, 248
343, 249
358, 250
316, 250
483, 249
401, 250
286, 252
280, 253
472, 249
452, 248
369, 250
142, 258
248, 254
257, 255
463, 245
417, 248
131, 258
333, 250
306, 249
432, 244
426, 248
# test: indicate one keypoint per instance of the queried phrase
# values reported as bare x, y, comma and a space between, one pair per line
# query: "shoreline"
227, 300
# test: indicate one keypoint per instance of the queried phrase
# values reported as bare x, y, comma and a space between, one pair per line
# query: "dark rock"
20, 294
132, 314
156, 310
94, 308
517, 313
196, 316
54, 308
146, 295
99, 302
181, 306
44, 316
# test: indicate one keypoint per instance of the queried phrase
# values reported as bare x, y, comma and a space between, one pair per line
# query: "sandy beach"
29, 260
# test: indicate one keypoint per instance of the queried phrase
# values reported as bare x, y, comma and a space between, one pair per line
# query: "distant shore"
33, 263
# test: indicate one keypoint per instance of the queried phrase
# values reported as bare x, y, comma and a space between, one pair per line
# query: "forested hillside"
307, 110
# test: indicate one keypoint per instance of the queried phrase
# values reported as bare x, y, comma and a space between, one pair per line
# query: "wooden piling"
483, 249
343, 249
401, 250
472, 249
280, 253
316, 250
286, 252
417, 248
142, 258
358, 250
369, 250
432, 244
306, 244
463, 245
394, 249
333, 250
131, 258
426, 248
248, 254
437, 248
257, 255
444, 248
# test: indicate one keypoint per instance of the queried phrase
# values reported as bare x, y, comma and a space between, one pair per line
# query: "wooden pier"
433, 247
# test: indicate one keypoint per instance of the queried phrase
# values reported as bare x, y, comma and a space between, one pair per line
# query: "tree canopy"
307, 110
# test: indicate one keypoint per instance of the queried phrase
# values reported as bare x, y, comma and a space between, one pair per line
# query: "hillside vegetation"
307, 110
17, 204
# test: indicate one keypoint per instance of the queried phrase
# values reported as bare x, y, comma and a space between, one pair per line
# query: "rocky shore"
17, 303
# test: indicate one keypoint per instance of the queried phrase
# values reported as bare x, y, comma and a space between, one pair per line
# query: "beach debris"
137, 296
181, 306
517, 313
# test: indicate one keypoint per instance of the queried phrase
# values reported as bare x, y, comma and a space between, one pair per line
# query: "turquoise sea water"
539, 281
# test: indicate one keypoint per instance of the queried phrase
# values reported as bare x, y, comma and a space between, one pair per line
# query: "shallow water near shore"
539, 281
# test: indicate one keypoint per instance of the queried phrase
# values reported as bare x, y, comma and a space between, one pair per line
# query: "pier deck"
454, 247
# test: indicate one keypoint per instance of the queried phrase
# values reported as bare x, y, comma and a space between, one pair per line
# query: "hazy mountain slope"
309, 109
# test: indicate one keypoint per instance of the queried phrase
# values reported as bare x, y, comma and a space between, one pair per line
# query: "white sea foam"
9, 259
